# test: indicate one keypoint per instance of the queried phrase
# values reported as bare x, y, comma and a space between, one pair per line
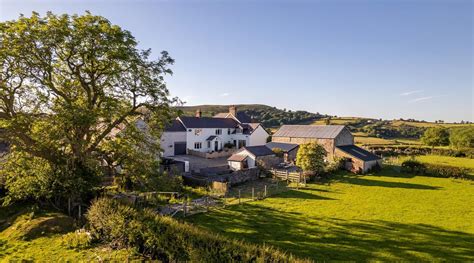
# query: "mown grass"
388, 216
28, 234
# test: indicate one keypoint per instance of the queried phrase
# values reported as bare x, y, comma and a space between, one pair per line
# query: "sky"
382, 59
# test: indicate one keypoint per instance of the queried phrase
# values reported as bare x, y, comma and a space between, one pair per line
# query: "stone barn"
337, 140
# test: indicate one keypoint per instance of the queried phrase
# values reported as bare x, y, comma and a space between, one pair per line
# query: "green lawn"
379, 217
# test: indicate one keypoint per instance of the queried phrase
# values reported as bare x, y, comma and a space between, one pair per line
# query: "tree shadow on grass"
302, 195
322, 238
360, 180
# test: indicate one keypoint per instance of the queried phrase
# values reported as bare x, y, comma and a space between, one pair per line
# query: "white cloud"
410, 92
421, 99
225, 94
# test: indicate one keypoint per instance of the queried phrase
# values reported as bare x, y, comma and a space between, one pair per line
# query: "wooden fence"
294, 177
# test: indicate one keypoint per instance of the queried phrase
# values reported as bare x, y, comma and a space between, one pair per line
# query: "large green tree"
310, 157
462, 137
67, 85
436, 136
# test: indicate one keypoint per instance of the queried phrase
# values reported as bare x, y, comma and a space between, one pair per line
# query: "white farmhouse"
211, 134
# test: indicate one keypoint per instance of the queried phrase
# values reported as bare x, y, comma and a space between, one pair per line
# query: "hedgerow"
166, 239
436, 170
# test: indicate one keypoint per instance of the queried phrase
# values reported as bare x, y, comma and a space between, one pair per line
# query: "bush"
229, 145
336, 165
278, 152
413, 166
446, 171
78, 239
165, 239
435, 170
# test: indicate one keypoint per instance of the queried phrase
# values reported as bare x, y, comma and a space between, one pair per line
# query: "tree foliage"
436, 136
462, 137
68, 84
310, 157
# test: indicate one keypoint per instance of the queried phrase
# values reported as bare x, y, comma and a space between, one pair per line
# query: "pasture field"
445, 160
387, 216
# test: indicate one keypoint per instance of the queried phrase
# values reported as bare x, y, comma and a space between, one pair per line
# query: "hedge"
435, 170
165, 239
419, 150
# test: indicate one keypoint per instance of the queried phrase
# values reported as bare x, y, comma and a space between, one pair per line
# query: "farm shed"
289, 150
248, 157
358, 159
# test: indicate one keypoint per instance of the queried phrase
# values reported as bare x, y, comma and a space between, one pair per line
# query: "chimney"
233, 110
198, 113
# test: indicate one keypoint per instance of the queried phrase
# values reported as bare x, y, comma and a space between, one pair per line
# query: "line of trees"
457, 138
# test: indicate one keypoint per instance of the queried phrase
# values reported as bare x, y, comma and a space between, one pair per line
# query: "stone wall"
212, 155
345, 137
328, 144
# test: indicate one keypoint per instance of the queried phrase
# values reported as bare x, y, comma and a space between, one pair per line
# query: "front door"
216, 146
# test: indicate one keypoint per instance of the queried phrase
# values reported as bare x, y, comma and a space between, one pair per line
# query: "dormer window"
218, 131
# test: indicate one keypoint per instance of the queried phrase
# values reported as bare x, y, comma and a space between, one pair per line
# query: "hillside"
269, 116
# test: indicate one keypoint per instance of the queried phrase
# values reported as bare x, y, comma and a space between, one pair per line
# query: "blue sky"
383, 59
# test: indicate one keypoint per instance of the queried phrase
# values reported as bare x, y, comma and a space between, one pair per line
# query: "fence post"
304, 179
287, 173
253, 193
239, 196
265, 194
207, 203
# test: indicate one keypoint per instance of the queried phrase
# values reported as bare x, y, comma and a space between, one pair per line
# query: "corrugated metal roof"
286, 147
309, 131
358, 153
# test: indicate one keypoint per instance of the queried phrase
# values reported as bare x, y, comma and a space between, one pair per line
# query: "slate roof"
210, 138
175, 126
358, 153
241, 116
286, 147
309, 131
206, 122
260, 150
237, 157
248, 128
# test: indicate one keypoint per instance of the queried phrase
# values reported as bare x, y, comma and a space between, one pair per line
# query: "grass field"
446, 160
389, 216
28, 235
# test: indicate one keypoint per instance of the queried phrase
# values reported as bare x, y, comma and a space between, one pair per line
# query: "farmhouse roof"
242, 117
260, 150
175, 126
309, 131
206, 122
358, 153
286, 147
237, 158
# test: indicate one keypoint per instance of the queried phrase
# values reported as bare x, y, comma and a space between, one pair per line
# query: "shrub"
78, 239
310, 158
278, 152
229, 145
336, 165
446, 171
166, 239
413, 166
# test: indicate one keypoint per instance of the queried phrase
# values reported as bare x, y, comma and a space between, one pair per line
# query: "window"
197, 132
209, 144
197, 145
228, 131
218, 131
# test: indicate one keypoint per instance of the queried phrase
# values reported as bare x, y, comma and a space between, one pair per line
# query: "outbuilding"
250, 156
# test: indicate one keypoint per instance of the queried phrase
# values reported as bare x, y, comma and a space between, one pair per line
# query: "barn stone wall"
344, 138
328, 144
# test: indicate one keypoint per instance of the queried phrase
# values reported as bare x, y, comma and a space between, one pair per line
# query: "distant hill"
267, 115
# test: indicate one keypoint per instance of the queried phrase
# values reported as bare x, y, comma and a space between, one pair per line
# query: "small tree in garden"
310, 158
